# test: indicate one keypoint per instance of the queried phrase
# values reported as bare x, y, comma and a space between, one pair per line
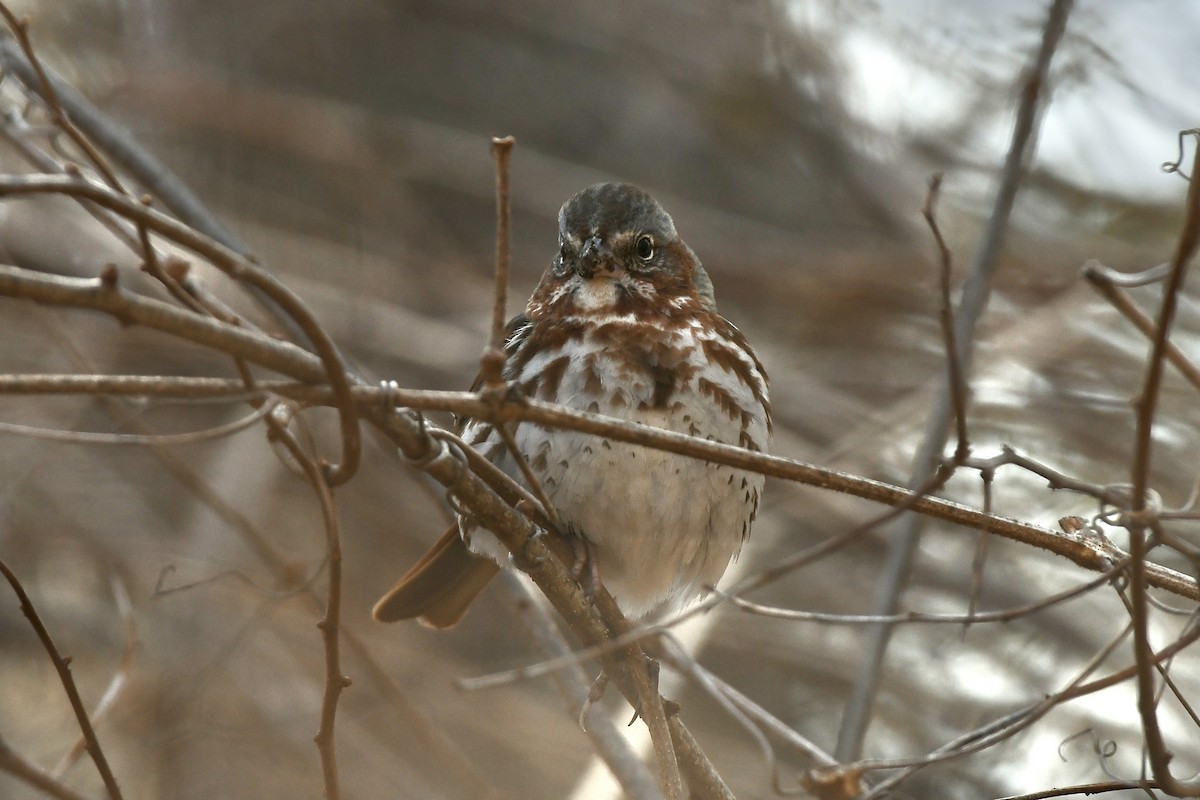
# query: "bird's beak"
594, 256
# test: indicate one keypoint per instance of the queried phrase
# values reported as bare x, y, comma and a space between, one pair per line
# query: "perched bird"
623, 323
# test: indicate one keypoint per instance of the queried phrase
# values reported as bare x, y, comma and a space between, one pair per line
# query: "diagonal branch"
63, 666
20, 767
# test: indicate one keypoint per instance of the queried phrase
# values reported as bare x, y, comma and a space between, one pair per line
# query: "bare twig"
120, 678
1086, 789
139, 439
651, 709
504, 429
1107, 282
1156, 748
911, 617
1059, 481
998, 730
1085, 550
674, 653
63, 666
237, 267
954, 374
993, 732
130, 308
629, 770
18, 133
20, 29
761, 716
121, 147
955, 382
20, 767
335, 681
982, 544
974, 298
492, 362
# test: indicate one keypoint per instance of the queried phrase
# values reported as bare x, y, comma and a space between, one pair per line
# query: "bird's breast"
662, 524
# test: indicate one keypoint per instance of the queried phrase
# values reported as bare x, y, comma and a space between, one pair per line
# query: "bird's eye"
645, 247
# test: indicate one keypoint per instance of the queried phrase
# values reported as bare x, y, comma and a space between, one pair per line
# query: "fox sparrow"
623, 323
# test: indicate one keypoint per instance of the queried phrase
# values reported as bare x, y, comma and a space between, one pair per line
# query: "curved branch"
235, 266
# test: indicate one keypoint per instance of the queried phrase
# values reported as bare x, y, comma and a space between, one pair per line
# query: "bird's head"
619, 253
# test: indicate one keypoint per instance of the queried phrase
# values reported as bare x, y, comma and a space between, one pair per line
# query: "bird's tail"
440, 587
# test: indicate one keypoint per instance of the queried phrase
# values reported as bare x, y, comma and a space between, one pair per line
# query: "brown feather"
440, 587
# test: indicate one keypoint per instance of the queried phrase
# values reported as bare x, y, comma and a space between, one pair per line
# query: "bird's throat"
596, 294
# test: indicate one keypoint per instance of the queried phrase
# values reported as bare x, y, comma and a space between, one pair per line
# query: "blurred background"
348, 144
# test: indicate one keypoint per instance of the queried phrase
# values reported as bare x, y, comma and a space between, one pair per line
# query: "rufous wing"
439, 588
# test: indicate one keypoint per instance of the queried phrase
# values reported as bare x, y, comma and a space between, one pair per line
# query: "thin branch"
1108, 282
335, 681
63, 667
105, 294
762, 717
1083, 549
237, 267
757, 721
703, 779
504, 429
20, 29
1056, 480
975, 293
1088, 789
995, 731
1147, 404
954, 372
1024, 717
629, 770
653, 712
22, 768
121, 147
120, 678
139, 439
677, 656
492, 361
911, 617
17, 132
982, 543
